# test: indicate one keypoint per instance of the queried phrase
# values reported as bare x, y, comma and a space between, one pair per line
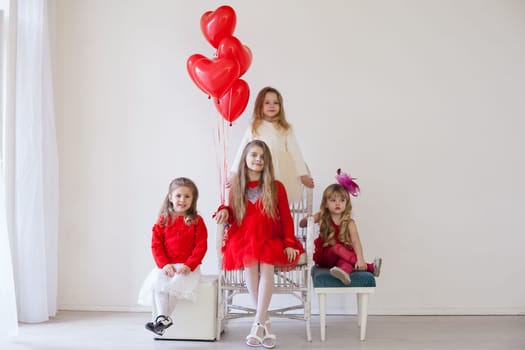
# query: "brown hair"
258, 115
167, 213
326, 229
266, 184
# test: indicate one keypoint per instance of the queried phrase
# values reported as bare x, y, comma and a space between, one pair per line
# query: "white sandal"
253, 339
269, 340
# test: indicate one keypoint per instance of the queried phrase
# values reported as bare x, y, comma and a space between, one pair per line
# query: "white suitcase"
196, 321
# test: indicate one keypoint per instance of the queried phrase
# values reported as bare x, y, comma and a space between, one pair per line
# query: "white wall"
421, 100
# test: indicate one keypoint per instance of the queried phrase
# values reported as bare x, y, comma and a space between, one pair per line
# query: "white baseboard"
384, 311
137, 308
445, 311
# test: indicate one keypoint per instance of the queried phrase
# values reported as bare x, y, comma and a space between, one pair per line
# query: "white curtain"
36, 165
8, 317
8, 313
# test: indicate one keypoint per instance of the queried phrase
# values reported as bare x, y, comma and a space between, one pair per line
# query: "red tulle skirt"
257, 239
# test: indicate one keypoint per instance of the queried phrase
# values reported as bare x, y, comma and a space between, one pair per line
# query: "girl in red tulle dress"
260, 234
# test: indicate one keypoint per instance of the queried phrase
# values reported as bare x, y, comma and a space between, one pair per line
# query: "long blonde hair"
326, 229
239, 189
258, 115
167, 212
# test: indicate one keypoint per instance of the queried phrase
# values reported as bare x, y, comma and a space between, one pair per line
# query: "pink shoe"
340, 274
377, 266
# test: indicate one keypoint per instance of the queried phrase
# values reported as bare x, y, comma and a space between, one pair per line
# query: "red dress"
258, 238
339, 254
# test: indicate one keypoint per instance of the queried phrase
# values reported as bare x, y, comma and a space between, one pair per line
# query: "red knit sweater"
179, 243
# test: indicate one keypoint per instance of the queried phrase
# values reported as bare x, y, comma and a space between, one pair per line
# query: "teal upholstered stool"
363, 284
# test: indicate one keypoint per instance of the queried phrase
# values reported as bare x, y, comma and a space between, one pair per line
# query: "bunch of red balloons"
220, 77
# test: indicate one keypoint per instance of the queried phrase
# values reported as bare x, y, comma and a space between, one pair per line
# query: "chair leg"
308, 313
308, 331
322, 315
362, 301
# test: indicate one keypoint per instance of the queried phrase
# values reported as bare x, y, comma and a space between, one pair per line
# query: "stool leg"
322, 314
363, 314
358, 309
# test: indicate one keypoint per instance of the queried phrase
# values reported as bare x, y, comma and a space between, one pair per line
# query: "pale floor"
73, 330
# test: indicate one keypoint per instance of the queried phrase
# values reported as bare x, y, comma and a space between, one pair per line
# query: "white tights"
259, 280
163, 304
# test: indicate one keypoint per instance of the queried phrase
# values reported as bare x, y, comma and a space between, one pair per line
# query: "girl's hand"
304, 221
169, 270
361, 265
291, 253
184, 270
307, 181
222, 216
229, 181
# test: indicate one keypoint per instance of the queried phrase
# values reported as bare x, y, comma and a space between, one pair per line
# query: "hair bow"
348, 183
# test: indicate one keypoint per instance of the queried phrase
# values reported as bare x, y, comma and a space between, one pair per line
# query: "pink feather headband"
348, 183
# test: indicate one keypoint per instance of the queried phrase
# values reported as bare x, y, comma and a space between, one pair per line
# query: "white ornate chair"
296, 283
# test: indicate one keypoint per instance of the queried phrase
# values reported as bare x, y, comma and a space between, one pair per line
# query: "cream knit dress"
288, 161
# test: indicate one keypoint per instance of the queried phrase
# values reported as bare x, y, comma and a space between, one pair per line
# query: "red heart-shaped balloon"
190, 67
231, 47
234, 101
218, 24
214, 77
